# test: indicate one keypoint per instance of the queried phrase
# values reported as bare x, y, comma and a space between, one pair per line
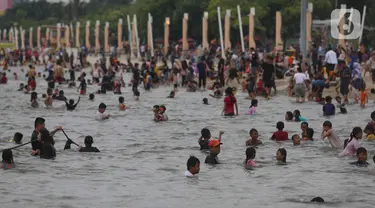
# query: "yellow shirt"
371, 137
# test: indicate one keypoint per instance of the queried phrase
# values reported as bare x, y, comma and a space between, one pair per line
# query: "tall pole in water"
303, 28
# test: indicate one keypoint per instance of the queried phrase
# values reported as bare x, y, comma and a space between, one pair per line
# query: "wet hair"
39, 121
250, 153
33, 96
289, 115
71, 101
91, 96
206, 134
171, 93
297, 114
317, 199
254, 102
369, 128
205, 101
361, 150
327, 124
373, 115
229, 92
328, 99
17, 137
284, 153
356, 130
156, 106
305, 123
8, 156
89, 141
102, 105
294, 135
44, 96
252, 130
192, 162
121, 99
280, 125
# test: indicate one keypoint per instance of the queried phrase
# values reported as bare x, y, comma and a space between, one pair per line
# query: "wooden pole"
252, 43
205, 31
166, 35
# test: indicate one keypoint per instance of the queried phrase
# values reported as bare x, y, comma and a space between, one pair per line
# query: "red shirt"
3, 80
280, 136
229, 104
32, 84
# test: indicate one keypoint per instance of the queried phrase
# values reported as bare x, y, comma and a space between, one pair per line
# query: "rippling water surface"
141, 163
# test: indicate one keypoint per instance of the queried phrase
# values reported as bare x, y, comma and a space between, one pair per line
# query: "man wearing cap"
214, 146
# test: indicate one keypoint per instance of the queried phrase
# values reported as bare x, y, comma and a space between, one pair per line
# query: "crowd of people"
252, 72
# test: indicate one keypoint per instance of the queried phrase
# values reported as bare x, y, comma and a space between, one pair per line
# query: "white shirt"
101, 116
188, 174
142, 48
300, 78
331, 57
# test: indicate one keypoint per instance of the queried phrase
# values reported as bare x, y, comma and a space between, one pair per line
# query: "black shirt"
211, 159
89, 149
268, 70
254, 60
35, 144
202, 69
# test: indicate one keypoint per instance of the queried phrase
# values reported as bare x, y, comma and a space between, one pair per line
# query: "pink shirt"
251, 163
351, 148
252, 110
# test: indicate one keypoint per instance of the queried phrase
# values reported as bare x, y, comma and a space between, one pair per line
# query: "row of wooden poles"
13, 33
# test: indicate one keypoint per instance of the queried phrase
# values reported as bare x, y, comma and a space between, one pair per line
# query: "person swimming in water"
71, 106
193, 166
48, 101
163, 116
34, 100
88, 145
61, 96
100, 114
332, 137
171, 95
253, 141
280, 135
351, 145
91, 96
298, 117
253, 106
7, 162
289, 116
205, 101
361, 158
214, 146
281, 156
250, 155
296, 140
122, 105
204, 140
17, 138
328, 108
307, 133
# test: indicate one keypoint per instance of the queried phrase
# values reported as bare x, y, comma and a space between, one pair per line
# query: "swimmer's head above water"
91, 96
155, 109
296, 139
205, 101
289, 116
102, 107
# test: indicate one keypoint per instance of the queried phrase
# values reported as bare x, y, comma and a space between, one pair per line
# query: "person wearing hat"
214, 146
100, 114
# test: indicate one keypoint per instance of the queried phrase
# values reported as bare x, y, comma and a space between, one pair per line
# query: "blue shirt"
201, 69
329, 109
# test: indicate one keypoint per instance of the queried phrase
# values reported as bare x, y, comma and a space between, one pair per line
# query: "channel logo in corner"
345, 24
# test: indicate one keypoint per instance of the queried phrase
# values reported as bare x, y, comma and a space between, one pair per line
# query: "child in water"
88, 145
193, 166
71, 106
48, 101
121, 101
164, 116
296, 140
298, 117
17, 138
34, 100
351, 145
205, 101
91, 96
281, 156
363, 97
289, 116
100, 114
171, 94
214, 146
82, 85
7, 162
252, 108
370, 131
205, 138
341, 105
250, 155
307, 133
332, 137
328, 108
362, 158
280, 135
253, 141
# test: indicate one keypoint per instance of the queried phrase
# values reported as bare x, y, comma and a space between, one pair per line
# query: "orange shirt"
363, 97
122, 106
